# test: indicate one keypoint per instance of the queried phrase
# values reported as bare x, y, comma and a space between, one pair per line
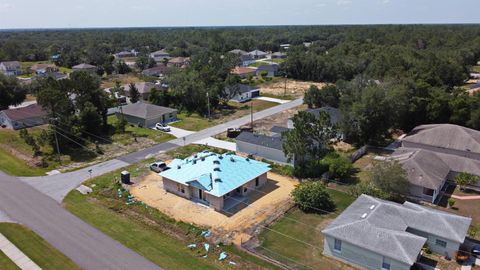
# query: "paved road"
85, 245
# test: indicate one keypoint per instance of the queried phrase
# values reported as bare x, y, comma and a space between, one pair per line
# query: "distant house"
334, 113
24, 117
268, 147
125, 54
85, 67
285, 46
278, 55
257, 54
160, 56
219, 181
243, 92
157, 71
269, 70
244, 58
56, 57
54, 75
179, 62
377, 234
144, 88
146, 115
244, 72
11, 68
43, 68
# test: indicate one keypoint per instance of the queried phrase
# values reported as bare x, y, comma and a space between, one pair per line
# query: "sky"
161, 13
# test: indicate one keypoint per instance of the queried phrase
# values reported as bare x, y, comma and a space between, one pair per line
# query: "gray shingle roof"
263, 140
335, 114
381, 227
424, 168
146, 111
278, 129
84, 66
11, 65
446, 136
257, 53
238, 51
273, 68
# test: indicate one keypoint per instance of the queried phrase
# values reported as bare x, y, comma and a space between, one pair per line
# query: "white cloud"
385, 1
344, 2
5, 6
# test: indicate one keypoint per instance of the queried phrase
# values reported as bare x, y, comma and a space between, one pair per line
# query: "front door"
200, 194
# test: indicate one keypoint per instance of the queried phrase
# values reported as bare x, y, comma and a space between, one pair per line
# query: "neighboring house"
157, 71
179, 62
24, 117
11, 68
160, 56
268, 147
278, 55
144, 88
85, 67
146, 115
56, 57
334, 113
238, 52
377, 234
126, 54
243, 92
220, 181
257, 54
43, 68
285, 46
245, 59
244, 72
54, 75
277, 130
269, 70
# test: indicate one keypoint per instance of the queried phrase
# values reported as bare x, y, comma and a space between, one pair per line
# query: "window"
244, 190
180, 188
386, 263
257, 182
338, 245
441, 243
428, 191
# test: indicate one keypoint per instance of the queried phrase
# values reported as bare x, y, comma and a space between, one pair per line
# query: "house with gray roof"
11, 68
268, 70
242, 92
257, 54
264, 146
23, 117
85, 67
160, 56
244, 57
334, 113
146, 115
377, 234
219, 181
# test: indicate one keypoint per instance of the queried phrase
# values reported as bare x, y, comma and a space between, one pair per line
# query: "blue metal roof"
215, 174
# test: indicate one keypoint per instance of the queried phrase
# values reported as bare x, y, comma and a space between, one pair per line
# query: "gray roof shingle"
263, 140
382, 227
145, 111
334, 113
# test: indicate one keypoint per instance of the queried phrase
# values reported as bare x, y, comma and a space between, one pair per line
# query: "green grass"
476, 68
193, 122
37, 249
131, 131
14, 166
285, 97
6, 263
146, 230
305, 227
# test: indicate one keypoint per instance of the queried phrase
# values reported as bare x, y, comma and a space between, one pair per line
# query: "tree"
142, 62
327, 96
313, 197
11, 93
391, 178
122, 68
30, 140
338, 166
464, 179
309, 139
134, 94
160, 97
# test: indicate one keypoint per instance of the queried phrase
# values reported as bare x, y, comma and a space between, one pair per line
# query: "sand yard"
261, 207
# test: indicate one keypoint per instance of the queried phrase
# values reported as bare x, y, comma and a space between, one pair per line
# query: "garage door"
255, 93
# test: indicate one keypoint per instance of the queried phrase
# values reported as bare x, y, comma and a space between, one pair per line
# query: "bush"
451, 202
338, 166
313, 197
463, 179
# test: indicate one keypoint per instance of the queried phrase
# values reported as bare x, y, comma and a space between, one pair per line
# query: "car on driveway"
476, 251
159, 166
162, 127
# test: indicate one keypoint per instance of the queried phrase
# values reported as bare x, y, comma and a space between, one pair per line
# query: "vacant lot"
149, 232
238, 223
111, 80
37, 249
294, 88
279, 119
305, 250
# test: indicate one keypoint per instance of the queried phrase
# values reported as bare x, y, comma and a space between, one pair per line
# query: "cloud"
5, 6
385, 1
344, 2
320, 5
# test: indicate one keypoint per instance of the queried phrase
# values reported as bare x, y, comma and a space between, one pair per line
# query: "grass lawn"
307, 229
193, 122
131, 131
476, 68
6, 263
37, 249
146, 230
285, 97
14, 166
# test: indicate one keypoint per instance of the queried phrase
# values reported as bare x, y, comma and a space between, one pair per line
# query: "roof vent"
364, 215
247, 159
194, 161
372, 206
220, 157
232, 159
179, 167
218, 180
216, 162
203, 158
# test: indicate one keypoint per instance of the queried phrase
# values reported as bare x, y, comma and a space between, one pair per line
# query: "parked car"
159, 166
476, 251
162, 127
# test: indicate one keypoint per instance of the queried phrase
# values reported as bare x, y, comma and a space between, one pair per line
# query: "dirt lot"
279, 119
294, 88
122, 78
262, 206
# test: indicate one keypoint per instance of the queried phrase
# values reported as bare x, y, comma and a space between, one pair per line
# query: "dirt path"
294, 88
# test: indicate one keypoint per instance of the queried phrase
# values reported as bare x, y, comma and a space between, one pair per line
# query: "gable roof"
383, 227
142, 87
161, 52
257, 53
279, 130
11, 65
18, 114
145, 111
423, 168
215, 174
262, 140
446, 136
334, 113
273, 68
161, 68
84, 66
238, 51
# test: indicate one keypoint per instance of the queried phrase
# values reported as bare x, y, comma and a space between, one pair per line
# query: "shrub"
463, 179
338, 166
313, 197
451, 202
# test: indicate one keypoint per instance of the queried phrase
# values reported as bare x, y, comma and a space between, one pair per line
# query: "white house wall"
262, 151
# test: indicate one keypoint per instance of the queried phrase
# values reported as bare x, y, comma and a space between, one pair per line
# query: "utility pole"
285, 89
208, 106
251, 113
56, 138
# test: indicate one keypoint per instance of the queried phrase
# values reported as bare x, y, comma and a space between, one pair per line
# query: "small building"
269, 70
157, 71
278, 55
243, 92
377, 234
334, 113
244, 58
23, 117
144, 88
285, 46
179, 62
267, 147
160, 56
43, 68
244, 72
85, 67
146, 115
11, 68
56, 57
125, 54
220, 181
257, 54
54, 75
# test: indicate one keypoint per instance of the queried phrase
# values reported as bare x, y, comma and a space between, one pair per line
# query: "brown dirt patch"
279, 119
294, 88
122, 78
264, 205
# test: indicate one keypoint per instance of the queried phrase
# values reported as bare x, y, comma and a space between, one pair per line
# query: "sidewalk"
276, 100
17, 256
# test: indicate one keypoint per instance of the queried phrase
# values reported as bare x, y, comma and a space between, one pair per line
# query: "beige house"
146, 115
